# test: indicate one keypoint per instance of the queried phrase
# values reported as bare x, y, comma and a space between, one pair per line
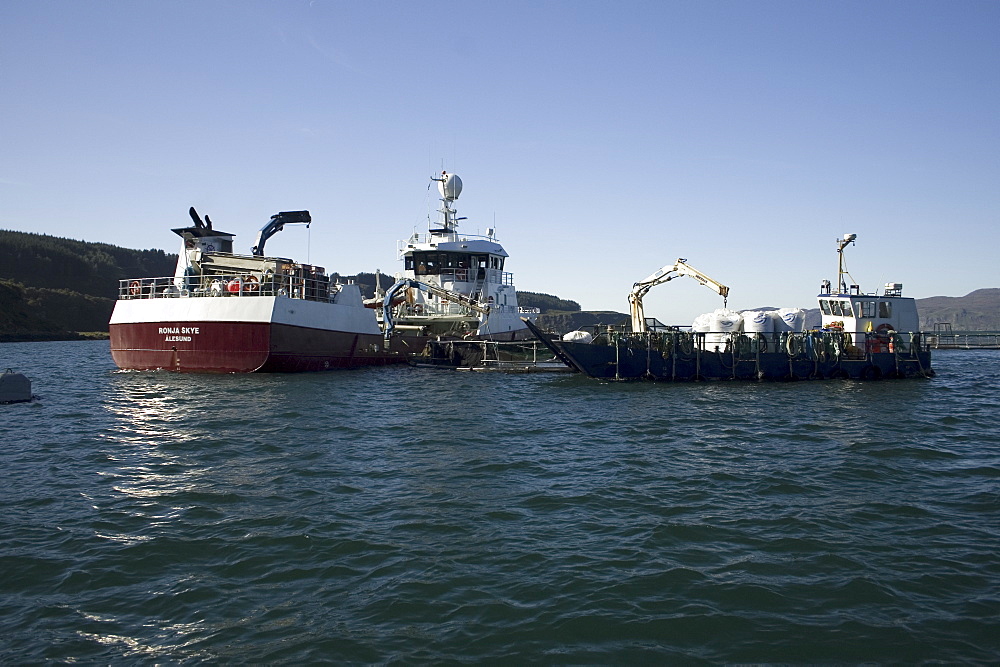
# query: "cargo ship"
861, 336
223, 312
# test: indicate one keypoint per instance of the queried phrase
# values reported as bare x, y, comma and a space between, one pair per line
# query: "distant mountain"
976, 311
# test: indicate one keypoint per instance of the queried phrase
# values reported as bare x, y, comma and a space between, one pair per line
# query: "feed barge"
861, 337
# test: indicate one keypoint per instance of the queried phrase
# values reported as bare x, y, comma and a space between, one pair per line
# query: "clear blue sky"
603, 139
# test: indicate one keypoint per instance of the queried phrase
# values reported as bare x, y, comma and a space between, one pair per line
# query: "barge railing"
748, 344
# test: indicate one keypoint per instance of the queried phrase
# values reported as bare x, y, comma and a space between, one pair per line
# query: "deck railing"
228, 285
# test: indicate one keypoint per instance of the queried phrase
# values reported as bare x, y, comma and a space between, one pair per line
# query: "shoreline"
47, 336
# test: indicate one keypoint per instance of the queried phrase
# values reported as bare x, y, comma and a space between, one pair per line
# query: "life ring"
234, 286
251, 284
134, 287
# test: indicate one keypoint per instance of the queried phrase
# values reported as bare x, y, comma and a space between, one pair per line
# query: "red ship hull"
244, 347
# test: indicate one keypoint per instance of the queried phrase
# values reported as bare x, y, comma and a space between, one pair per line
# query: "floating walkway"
964, 340
528, 356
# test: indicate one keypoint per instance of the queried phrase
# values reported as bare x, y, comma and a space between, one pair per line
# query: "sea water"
404, 515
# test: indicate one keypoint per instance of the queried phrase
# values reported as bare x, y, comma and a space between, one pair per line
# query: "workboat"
231, 313
453, 286
861, 336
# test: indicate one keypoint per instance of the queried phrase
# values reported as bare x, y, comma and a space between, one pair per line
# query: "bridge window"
885, 309
425, 263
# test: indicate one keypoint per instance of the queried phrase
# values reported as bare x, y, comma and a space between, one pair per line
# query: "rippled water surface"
401, 515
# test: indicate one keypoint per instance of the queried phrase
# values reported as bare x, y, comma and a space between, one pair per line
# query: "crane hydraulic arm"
275, 225
404, 283
666, 274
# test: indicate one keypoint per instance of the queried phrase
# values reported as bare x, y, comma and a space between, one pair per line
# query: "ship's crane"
404, 283
273, 226
666, 274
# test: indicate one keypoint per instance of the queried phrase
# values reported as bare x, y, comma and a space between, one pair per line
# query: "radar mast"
450, 187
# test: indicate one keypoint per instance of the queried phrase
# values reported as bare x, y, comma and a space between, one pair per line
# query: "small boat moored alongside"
862, 337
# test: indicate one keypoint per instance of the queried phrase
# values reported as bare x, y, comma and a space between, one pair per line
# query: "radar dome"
450, 186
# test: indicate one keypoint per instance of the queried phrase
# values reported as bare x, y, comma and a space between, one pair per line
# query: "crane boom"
403, 283
273, 226
666, 274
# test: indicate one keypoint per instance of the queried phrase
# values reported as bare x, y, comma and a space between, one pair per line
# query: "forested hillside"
545, 302
38, 260
50, 287
38, 313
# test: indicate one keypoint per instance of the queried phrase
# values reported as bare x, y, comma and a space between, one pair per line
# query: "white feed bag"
577, 337
722, 324
702, 323
758, 321
725, 321
790, 319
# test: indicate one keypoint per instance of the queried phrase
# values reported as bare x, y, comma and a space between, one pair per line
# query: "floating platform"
529, 356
